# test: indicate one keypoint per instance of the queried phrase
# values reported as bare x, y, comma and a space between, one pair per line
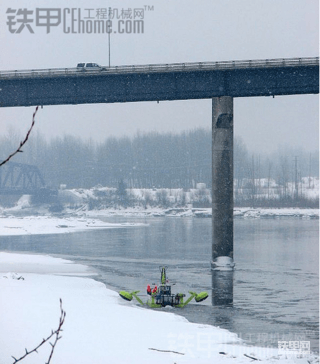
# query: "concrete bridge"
219, 81
159, 82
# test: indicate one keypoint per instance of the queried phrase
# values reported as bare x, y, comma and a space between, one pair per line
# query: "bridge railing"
154, 68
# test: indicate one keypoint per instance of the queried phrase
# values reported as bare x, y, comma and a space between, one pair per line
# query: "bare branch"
24, 141
56, 332
251, 357
167, 351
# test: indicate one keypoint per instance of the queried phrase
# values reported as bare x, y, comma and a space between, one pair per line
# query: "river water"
275, 281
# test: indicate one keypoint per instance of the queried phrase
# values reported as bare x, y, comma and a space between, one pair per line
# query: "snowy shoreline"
84, 220
76, 204
239, 212
28, 225
100, 325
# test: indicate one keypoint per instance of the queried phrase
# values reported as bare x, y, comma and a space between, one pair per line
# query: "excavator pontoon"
162, 296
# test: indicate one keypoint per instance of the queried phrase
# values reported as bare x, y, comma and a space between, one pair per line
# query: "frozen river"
275, 284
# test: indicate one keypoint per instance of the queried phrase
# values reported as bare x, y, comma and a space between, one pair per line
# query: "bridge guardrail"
154, 68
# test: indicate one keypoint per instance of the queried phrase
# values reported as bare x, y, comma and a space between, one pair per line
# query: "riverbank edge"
91, 308
243, 212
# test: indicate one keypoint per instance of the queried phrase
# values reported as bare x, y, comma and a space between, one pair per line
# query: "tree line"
154, 160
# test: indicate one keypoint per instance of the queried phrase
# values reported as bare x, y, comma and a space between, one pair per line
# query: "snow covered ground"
78, 203
243, 212
52, 225
102, 328
275, 213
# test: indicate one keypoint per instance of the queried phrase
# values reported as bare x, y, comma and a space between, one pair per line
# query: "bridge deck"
163, 82
172, 67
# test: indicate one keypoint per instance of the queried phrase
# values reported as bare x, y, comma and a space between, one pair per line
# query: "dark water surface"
275, 282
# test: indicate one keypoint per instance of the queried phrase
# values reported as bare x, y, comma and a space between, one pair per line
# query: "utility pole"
309, 170
296, 177
269, 177
253, 182
109, 31
259, 174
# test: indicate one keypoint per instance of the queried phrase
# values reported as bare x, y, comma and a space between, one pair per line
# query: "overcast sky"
174, 31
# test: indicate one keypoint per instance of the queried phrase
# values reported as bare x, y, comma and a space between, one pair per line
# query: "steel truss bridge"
19, 179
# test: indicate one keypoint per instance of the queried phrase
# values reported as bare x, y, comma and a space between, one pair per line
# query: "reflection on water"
222, 287
275, 281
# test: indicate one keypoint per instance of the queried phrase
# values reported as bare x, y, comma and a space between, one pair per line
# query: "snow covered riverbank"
100, 327
83, 210
84, 220
239, 212
52, 225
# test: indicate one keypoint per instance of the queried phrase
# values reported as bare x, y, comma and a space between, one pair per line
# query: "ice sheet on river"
53, 225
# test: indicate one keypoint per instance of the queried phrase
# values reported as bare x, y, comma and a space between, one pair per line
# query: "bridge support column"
222, 181
222, 287
222, 199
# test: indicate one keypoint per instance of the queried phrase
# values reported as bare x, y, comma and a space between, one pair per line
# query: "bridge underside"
157, 86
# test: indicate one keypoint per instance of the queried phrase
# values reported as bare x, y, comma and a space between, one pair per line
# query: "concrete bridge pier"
222, 287
222, 200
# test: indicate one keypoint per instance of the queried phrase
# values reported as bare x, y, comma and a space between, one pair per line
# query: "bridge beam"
159, 82
222, 183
